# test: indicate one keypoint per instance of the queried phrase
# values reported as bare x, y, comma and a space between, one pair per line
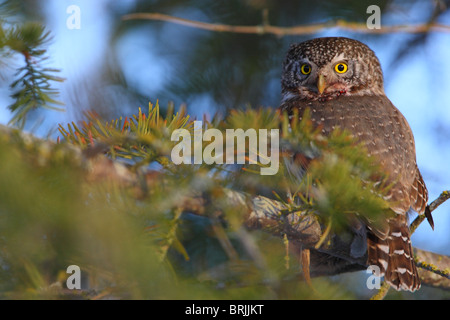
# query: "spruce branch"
298, 221
33, 86
300, 224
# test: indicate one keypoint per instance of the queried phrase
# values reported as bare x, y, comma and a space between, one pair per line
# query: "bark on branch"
434, 269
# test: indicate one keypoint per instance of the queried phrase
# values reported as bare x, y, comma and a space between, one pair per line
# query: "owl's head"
326, 68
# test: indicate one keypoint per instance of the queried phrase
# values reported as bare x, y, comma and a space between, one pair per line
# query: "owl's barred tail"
394, 256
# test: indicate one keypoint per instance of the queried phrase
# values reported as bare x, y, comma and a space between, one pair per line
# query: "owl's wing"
418, 194
419, 198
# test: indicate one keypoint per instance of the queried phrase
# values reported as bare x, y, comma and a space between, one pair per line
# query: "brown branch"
289, 31
444, 196
434, 269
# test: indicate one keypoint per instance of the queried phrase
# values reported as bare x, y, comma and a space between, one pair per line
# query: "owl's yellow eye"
341, 67
305, 69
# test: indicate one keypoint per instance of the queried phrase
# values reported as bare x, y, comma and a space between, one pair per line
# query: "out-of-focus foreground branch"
301, 228
266, 28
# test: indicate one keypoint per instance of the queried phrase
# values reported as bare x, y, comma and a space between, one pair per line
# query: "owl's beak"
321, 83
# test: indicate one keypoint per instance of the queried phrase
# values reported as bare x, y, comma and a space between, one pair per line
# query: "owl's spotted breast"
375, 121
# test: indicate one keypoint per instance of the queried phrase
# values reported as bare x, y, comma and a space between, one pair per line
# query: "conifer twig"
444, 196
434, 268
382, 292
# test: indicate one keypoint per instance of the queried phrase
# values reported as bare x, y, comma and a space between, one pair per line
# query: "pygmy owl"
341, 82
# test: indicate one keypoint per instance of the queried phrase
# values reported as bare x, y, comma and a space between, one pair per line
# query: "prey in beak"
329, 90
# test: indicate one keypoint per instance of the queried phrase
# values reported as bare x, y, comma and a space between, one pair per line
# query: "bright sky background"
419, 87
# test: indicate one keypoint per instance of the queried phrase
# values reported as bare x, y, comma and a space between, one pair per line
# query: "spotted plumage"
340, 81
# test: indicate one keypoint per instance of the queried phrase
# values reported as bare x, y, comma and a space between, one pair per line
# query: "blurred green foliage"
210, 251
139, 245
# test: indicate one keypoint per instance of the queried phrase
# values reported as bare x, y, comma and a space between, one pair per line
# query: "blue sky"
419, 87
